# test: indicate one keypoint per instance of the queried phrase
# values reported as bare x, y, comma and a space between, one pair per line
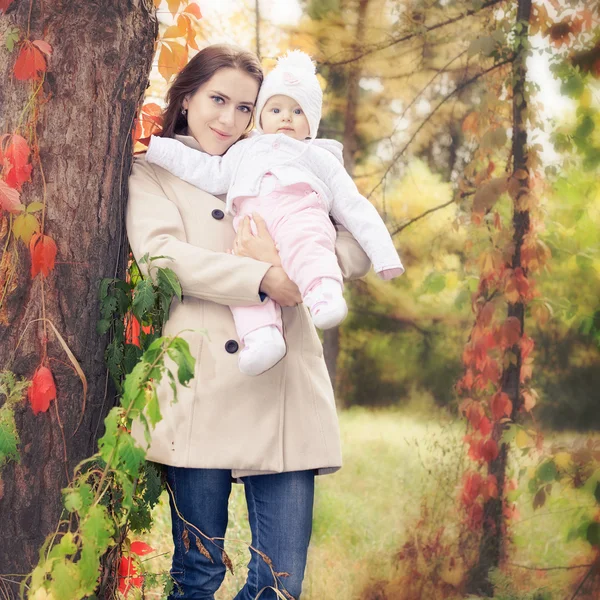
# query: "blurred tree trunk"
98, 72
491, 549
331, 337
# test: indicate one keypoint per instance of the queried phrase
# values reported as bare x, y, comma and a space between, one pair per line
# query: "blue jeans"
280, 510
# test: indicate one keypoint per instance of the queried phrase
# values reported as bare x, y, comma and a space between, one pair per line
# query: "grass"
393, 461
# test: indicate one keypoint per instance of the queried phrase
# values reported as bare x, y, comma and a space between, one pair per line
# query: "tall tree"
73, 104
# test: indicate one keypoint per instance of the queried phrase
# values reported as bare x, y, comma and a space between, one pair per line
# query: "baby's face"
282, 114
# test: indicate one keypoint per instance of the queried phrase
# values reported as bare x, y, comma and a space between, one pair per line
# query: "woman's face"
219, 111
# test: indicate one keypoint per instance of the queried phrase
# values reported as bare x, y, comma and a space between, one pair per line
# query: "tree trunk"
331, 337
97, 74
491, 548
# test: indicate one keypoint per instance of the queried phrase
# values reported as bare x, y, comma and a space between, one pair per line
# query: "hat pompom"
296, 59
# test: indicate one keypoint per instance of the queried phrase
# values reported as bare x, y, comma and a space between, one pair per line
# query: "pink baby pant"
299, 223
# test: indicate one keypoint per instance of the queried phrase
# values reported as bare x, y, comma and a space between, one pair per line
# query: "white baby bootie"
263, 348
326, 303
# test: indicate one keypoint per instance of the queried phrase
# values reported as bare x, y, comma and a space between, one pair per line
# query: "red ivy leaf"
149, 122
17, 176
485, 426
4, 4
16, 150
472, 483
141, 548
490, 450
14, 157
9, 198
42, 390
501, 406
45, 47
128, 575
30, 62
43, 253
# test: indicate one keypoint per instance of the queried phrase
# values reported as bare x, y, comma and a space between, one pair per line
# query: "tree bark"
97, 74
331, 337
491, 547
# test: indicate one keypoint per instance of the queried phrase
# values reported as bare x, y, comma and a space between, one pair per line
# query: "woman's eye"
218, 99
244, 109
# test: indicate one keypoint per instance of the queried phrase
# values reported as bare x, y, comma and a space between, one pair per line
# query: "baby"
294, 182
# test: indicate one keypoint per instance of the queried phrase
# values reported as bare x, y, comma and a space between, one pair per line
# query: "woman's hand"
280, 288
259, 244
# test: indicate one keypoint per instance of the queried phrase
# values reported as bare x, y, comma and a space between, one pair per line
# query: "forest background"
459, 479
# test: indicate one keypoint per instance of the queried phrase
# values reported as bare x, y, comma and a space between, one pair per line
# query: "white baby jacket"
317, 163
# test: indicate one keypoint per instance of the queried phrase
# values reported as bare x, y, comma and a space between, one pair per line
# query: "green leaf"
65, 581
34, 207
78, 498
9, 437
547, 471
153, 408
434, 283
573, 86
97, 528
129, 455
143, 298
11, 38
102, 326
24, 226
593, 534
167, 279
179, 352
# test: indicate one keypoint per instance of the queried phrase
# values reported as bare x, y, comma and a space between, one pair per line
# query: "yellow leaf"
173, 6
585, 100
522, 439
562, 460
172, 58
487, 195
452, 571
24, 226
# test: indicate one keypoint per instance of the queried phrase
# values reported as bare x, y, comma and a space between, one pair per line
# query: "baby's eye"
297, 111
218, 99
276, 111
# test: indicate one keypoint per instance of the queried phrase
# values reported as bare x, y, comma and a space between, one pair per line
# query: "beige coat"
282, 420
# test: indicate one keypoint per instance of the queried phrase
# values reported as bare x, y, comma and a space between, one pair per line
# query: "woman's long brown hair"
198, 71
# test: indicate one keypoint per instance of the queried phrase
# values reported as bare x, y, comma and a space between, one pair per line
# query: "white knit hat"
294, 76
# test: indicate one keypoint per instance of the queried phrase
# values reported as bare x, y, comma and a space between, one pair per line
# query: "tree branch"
388, 44
419, 217
551, 568
430, 115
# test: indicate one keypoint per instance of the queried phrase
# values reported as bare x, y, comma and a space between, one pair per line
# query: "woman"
273, 432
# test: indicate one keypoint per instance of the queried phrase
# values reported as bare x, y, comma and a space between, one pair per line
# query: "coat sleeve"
213, 174
154, 227
352, 259
362, 220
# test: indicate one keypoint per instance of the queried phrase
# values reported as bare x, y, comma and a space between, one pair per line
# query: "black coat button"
217, 214
231, 346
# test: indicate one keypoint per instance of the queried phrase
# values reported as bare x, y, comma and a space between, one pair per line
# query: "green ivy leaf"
65, 580
547, 471
97, 528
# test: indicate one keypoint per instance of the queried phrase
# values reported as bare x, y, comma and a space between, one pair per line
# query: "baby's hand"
258, 244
